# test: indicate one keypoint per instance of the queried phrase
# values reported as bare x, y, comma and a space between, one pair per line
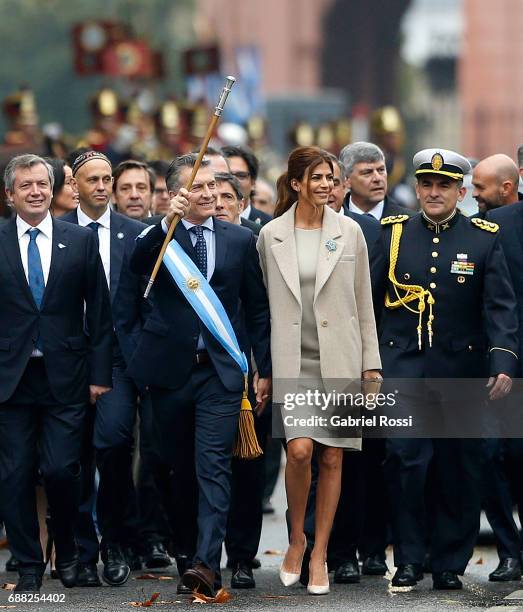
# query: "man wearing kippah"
446, 310
115, 415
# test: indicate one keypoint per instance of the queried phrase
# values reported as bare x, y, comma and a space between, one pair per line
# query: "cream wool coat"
342, 298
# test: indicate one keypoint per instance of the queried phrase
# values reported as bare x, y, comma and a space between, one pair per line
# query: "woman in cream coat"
316, 271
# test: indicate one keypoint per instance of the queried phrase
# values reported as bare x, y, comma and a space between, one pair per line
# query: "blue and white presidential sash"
204, 300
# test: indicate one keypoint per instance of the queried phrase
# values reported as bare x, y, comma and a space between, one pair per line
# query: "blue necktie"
201, 249
34, 267
94, 225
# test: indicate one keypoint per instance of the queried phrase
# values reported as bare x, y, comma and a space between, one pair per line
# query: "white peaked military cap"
441, 161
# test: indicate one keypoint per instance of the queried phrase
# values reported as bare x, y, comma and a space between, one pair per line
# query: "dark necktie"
94, 225
34, 268
201, 249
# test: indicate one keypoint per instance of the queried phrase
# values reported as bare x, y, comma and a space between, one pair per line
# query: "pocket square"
61, 246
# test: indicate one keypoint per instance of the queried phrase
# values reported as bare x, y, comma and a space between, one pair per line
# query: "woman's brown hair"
300, 161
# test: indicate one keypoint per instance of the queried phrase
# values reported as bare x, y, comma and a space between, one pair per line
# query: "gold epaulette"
394, 219
483, 224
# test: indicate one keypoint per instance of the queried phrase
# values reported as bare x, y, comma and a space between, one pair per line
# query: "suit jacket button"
391, 343
470, 347
324, 323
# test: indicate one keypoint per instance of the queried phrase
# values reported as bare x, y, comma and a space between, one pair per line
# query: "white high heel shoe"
289, 578
319, 589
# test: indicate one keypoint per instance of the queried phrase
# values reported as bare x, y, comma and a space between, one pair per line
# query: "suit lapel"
328, 257
58, 257
284, 252
11, 248
117, 248
184, 240
220, 243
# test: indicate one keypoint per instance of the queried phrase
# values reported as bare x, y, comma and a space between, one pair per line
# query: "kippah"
88, 156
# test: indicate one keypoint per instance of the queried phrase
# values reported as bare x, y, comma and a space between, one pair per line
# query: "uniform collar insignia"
440, 226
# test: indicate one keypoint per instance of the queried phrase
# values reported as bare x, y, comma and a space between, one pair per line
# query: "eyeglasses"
241, 175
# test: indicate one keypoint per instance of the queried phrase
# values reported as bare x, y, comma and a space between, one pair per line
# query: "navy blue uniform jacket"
475, 325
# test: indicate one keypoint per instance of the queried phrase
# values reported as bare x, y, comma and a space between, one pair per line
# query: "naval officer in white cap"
445, 308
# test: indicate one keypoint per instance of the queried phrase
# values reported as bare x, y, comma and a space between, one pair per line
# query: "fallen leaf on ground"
273, 552
3, 543
147, 603
222, 596
8, 586
399, 589
479, 561
153, 577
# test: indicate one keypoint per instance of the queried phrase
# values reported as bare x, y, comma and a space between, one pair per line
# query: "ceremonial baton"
229, 82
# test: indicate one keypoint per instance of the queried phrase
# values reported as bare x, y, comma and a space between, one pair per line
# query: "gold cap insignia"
437, 162
193, 283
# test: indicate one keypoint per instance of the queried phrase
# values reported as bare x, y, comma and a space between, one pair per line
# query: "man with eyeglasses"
161, 200
244, 166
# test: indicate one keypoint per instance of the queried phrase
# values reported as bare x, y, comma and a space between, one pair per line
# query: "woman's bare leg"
327, 496
297, 485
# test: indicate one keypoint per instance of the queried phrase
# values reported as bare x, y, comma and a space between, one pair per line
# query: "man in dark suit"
496, 190
50, 369
244, 166
366, 181
245, 514
115, 412
195, 385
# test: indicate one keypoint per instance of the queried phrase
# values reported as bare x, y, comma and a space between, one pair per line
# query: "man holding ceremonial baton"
189, 356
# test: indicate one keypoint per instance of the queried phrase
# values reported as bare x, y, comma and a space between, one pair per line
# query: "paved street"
372, 594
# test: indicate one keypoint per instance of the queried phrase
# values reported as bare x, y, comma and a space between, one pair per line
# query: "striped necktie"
201, 249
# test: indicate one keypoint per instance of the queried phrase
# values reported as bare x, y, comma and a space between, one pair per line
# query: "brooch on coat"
331, 246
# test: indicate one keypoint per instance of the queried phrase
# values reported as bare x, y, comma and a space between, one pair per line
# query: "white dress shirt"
44, 242
246, 211
104, 238
376, 212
